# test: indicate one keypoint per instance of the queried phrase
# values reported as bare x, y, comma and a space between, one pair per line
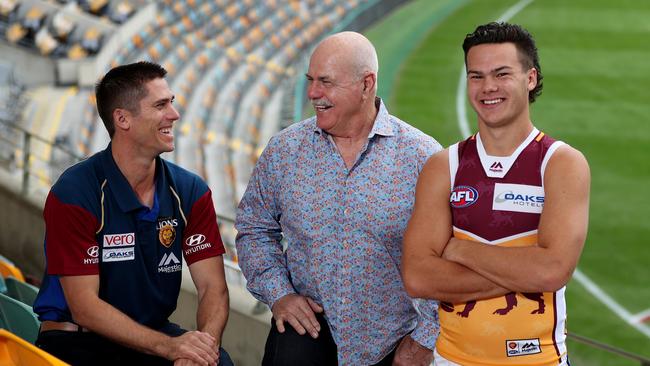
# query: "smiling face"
335, 90
152, 125
498, 84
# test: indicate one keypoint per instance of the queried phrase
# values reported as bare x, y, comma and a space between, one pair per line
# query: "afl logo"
463, 196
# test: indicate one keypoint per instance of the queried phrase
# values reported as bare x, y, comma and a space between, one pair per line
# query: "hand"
411, 353
186, 362
299, 311
196, 347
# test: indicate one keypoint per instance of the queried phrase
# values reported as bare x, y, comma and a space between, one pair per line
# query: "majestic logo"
496, 167
463, 196
169, 263
195, 243
522, 347
118, 254
518, 198
119, 240
166, 235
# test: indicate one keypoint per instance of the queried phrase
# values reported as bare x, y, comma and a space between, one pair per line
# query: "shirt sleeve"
201, 237
259, 234
70, 243
428, 328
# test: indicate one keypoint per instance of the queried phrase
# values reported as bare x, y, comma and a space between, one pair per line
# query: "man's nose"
314, 90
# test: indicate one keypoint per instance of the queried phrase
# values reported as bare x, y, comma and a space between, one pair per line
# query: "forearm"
443, 280
521, 269
212, 313
103, 319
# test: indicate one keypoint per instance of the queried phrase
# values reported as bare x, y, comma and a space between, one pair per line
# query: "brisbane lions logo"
166, 235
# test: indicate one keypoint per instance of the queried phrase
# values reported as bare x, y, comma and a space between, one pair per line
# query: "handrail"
608, 348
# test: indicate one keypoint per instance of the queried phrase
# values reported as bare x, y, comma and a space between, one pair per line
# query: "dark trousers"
87, 348
290, 348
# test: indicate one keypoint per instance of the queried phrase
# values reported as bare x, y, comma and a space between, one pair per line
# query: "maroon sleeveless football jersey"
498, 201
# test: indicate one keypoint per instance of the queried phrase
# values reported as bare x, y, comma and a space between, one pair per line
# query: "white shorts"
441, 361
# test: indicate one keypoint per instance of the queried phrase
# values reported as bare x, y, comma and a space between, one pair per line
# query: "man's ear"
369, 84
121, 119
532, 79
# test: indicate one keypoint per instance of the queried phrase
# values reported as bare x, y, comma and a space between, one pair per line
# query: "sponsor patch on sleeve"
196, 243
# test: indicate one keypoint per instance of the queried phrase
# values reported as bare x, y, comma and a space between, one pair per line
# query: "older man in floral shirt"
340, 189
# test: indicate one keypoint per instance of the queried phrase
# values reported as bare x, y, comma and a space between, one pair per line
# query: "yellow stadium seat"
8, 269
16, 351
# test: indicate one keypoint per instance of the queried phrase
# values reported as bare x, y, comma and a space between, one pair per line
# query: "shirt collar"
381, 126
124, 194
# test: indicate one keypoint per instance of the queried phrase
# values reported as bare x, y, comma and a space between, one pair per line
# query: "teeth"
166, 131
493, 101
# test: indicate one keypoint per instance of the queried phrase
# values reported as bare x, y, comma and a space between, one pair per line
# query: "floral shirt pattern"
343, 230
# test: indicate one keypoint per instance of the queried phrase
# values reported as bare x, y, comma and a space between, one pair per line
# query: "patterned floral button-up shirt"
343, 230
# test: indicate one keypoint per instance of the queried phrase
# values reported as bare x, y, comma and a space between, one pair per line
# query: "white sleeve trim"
554, 146
453, 164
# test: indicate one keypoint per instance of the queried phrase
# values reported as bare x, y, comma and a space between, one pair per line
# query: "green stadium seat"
21, 291
16, 351
18, 318
3, 286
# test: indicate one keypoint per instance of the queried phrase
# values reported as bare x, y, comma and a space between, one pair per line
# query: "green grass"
594, 57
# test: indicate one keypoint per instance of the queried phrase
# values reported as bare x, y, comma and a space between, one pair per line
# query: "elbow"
413, 284
81, 314
553, 280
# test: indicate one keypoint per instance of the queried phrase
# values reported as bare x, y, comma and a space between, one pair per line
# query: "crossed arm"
200, 347
437, 266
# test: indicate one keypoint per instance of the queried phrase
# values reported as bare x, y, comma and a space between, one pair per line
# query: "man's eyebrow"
320, 78
500, 68
165, 100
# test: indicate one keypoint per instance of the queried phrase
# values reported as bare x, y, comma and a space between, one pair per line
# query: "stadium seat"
92, 40
15, 351
19, 318
8, 9
45, 42
121, 12
7, 268
62, 26
21, 291
3, 285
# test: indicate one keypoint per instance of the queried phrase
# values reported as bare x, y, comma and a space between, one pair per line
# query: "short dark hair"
124, 87
503, 32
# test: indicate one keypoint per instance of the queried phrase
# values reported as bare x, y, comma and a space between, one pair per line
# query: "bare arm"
210, 281
562, 232
425, 273
91, 312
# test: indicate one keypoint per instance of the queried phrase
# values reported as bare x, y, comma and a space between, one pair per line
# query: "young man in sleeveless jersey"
500, 218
